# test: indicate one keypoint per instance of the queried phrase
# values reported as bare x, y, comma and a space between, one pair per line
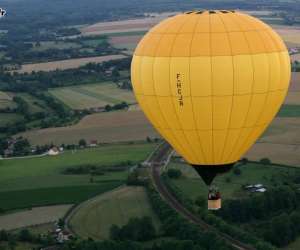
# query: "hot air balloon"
211, 82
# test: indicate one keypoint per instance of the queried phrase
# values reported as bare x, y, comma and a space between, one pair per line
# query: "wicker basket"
214, 204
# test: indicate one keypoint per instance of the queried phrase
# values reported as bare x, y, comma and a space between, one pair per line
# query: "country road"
159, 160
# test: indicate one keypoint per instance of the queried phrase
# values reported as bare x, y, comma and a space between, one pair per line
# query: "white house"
53, 151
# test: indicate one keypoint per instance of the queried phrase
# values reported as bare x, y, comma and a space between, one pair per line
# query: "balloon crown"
198, 12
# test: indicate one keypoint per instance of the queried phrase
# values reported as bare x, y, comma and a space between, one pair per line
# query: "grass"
128, 46
39, 181
230, 184
94, 42
20, 246
295, 245
7, 104
95, 218
35, 105
6, 101
54, 195
92, 95
289, 110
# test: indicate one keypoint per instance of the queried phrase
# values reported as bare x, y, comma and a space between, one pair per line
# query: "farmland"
290, 34
125, 42
230, 183
105, 127
93, 95
6, 101
131, 25
40, 181
115, 207
66, 64
34, 216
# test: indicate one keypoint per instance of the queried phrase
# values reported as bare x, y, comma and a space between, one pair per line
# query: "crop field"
280, 142
34, 216
95, 217
107, 127
93, 95
66, 64
230, 184
6, 101
131, 25
40, 181
35, 105
290, 34
127, 42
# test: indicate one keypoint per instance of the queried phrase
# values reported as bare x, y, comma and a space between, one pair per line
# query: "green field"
289, 110
6, 101
295, 245
129, 33
130, 47
34, 104
39, 181
95, 218
231, 184
94, 42
8, 118
92, 95
19, 246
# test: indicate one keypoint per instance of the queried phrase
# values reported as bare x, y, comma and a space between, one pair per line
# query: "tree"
61, 223
201, 202
25, 235
237, 171
114, 232
82, 143
108, 108
174, 173
265, 161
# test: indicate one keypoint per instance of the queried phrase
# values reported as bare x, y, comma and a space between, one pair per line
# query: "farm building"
53, 151
259, 188
93, 143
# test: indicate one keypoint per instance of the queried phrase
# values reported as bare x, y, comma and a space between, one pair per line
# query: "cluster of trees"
97, 169
25, 235
118, 106
286, 225
262, 206
137, 229
174, 173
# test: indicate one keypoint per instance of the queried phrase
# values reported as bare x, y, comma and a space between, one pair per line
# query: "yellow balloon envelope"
210, 82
